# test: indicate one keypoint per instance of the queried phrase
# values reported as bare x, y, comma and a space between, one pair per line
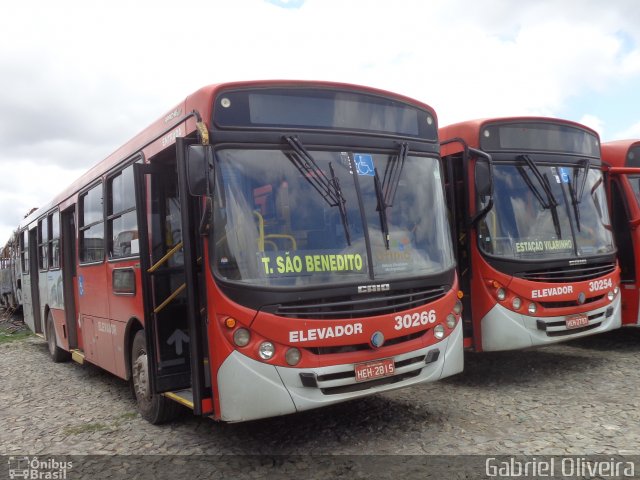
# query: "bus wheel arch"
133, 325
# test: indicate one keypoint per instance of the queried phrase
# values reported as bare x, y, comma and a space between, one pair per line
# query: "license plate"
377, 369
577, 322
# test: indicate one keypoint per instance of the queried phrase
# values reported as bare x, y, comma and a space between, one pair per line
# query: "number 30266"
415, 319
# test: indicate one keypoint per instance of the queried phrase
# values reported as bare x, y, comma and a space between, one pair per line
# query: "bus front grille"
576, 273
362, 305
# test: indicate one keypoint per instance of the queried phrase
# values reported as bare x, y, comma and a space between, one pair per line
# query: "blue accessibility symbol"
364, 164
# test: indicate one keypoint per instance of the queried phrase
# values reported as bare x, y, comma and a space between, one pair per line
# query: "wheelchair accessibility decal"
364, 164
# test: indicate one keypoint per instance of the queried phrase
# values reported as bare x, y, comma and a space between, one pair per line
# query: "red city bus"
536, 257
263, 248
622, 166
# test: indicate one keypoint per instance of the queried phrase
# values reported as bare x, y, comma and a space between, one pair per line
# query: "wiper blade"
546, 187
584, 163
392, 174
341, 204
382, 208
576, 196
328, 188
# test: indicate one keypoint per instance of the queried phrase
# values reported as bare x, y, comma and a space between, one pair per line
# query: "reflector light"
230, 322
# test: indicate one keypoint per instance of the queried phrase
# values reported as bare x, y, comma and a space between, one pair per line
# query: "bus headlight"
516, 303
241, 337
451, 320
292, 356
457, 308
611, 296
616, 290
438, 331
501, 294
266, 350
532, 308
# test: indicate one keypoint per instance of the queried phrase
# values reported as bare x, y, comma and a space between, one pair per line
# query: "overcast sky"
77, 79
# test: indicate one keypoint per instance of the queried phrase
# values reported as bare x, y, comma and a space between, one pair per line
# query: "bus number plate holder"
576, 321
376, 369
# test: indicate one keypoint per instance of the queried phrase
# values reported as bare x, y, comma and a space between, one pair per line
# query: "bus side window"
122, 224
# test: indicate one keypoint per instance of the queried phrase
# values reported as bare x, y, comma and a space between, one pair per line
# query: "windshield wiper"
382, 208
392, 174
386, 190
576, 197
552, 203
328, 188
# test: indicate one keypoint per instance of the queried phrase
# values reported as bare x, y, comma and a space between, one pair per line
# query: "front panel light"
457, 308
292, 356
532, 308
516, 303
266, 350
241, 337
438, 331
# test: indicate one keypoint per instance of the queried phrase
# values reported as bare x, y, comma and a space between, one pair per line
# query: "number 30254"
415, 319
600, 285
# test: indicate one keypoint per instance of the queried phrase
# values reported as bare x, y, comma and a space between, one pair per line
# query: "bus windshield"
546, 212
280, 221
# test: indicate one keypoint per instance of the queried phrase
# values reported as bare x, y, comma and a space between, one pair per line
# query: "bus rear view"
536, 252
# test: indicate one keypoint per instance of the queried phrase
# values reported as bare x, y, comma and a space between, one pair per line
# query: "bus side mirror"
483, 180
199, 169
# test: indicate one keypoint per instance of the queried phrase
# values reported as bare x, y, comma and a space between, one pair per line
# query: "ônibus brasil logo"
38, 469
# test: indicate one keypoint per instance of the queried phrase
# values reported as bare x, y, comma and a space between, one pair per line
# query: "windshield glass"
529, 220
277, 223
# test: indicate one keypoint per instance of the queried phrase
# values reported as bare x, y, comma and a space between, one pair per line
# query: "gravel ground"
578, 398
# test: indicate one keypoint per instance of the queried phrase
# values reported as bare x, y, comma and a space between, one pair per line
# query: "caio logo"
382, 287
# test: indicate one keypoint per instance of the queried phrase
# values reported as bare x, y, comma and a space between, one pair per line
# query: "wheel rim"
141, 377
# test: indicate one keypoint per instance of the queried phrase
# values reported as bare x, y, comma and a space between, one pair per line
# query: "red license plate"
577, 322
377, 369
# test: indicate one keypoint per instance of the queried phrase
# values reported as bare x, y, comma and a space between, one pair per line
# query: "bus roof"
469, 130
162, 133
615, 152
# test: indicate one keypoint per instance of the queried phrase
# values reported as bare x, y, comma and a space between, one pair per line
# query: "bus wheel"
57, 354
154, 408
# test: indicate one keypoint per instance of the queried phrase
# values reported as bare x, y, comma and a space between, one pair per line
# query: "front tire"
153, 407
57, 354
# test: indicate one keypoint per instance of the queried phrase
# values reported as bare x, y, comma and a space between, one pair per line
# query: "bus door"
168, 265
625, 222
69, 277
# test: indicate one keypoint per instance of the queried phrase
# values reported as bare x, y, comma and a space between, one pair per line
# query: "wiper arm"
329, 189
382, 208
546, 186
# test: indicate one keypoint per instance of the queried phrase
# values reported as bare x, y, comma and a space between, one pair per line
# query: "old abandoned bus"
10, 288
263, 248
622, 167
535, 250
